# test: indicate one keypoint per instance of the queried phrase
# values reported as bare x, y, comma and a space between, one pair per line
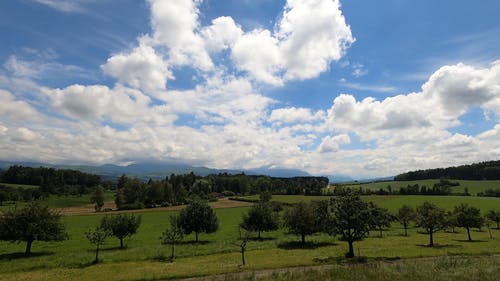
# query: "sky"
358, 88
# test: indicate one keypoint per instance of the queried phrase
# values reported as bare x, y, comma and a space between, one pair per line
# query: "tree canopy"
198, 217
121, 225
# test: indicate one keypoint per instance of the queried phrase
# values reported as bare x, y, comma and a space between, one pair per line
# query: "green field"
15, 185
65, 201
474, 187
393, 202
145, 259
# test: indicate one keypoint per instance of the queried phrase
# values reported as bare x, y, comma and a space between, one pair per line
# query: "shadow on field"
193, 242
292, 245
16, 256
439, 246
257, 239
473, 241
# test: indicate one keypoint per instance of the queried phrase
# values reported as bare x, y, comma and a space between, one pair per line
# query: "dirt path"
89, 208
259, 274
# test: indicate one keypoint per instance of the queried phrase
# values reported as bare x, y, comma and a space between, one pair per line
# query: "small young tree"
31, 223
488, 224
260, 218
494, 216
300, 220
380, 218
98, 198
97, 237
121, 226
405, 215
243, 246
467, 217
350, 218
432, 218
172, 235
198, 217
451, 220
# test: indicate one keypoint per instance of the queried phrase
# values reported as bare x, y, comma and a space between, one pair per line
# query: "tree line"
132, 193
489, 170
346, 216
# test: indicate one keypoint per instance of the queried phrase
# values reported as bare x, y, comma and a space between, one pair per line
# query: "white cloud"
332, 144
295, 115
222, 34
62, 5
142, 68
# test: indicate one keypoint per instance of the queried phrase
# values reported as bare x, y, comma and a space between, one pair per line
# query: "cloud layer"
226, 120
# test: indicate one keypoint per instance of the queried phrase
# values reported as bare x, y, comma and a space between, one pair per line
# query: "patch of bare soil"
88, 209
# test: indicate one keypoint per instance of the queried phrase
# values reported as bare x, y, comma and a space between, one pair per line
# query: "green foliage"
301, 219
260, 218
172, 235
468, 217
97, 237
431, 218
98, 198
381, 218
198, 217
121, 225
351, 218
494, 216
405, 215
265, 196
489, 170
32, 223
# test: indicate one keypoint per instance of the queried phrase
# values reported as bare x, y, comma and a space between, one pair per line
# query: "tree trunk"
380, 229
121, 243
172, 255
196, 233
96, 255
489, 230
28, 247
350, 254
303, 239
243, 255
431, 239
468, 233
259, 234
406, 229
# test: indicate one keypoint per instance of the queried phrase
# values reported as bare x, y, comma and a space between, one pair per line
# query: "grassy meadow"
474, 187
145, 259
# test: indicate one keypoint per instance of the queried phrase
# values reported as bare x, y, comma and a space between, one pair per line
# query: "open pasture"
145, 259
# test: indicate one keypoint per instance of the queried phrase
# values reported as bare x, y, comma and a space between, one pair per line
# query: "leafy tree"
198, 217
432, 218
467, 217
265, 196
3, 196
351, 218
300, 220
172, 235
119, 199
98, 198
97, 237
260, 218
451, 220
31, 223
121, 226
405, 215
380, 218
494, 216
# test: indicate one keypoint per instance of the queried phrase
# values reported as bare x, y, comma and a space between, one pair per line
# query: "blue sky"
359, 88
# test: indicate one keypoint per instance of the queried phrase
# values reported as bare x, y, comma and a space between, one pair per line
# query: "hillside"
489, 170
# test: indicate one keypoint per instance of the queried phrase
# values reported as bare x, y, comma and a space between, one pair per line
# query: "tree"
121, 226
405, 215
97, 237
31, 223
98, 198
198, 217
243, 246
350, 218
467, 217
451, 220
300, 219
3, 196
172, 235
494, 216
432, 218
265, 196
380, 218
260, 218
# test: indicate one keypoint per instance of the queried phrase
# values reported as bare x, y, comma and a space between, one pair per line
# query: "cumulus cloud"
332, 144
142, 68
295, 115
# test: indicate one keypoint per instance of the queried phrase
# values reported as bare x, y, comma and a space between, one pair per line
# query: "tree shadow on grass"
16, 256
292, 245
472, 241
193, 242
262, 239
439, 246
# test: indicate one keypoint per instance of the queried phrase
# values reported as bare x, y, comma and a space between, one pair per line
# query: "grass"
393, 202
145, 259
24, 186
474, 187
64, 201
